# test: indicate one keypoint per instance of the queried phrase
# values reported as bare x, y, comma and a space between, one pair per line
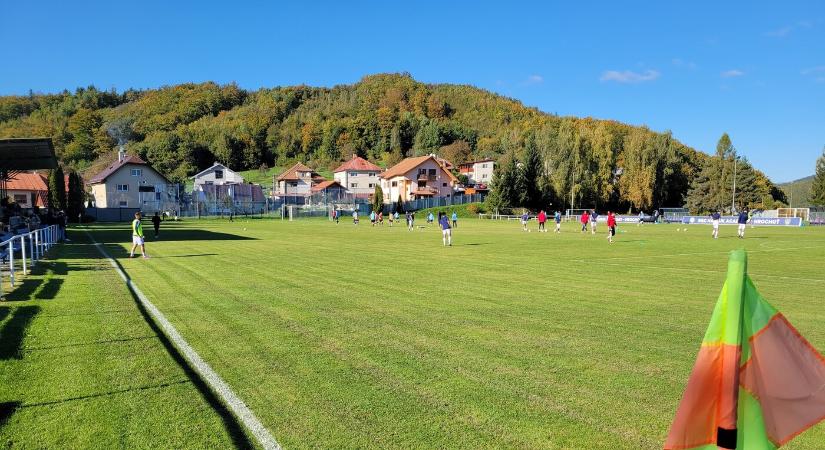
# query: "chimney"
121, 154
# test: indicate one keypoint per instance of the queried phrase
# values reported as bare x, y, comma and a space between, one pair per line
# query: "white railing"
31, 246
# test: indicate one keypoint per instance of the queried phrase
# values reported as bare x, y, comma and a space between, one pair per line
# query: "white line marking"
215, 382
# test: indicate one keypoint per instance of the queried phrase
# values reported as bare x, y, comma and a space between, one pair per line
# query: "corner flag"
756, 384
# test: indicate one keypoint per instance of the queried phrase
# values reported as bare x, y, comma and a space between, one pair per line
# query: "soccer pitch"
339, 336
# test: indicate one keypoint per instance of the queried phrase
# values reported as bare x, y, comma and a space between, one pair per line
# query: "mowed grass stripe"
87, 371
381, 338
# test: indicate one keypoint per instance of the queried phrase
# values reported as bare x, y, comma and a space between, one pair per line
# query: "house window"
353, 174
444, 184
20, 199
137, 172
157, 196
293, 184
484, 166
432, 172
123, 203
372, 174
394, 184
122, 187
484, 176
353, 185
218, 174
422, 171
372, 185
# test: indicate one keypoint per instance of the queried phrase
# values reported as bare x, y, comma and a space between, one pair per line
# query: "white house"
297, 180
415, 178
130, 182
478, 172
358, 176
217, 175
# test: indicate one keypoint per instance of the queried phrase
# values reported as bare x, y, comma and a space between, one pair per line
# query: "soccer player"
372, 218
585, 218
593, 217
743, 221
446, 232
715, 217
391, 218
542, 217
381, 218
355, 217
557, 218
524, 218
611, 226
455, 220
156, 224
137, 237
412, 221
429, 218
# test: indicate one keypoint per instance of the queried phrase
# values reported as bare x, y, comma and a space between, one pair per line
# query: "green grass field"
342, 336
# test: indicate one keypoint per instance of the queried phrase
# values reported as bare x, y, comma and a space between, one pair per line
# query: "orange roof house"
358, 176
28, 189
419, 177
297, 180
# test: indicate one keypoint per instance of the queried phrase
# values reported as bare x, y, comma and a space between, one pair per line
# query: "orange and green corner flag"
756, 384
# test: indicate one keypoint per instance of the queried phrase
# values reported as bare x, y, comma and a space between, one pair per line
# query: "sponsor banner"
619, 219
755, 221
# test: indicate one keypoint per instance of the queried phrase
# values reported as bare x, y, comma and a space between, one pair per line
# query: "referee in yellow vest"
137, 237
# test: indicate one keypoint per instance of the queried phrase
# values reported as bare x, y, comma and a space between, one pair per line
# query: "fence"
31, 247
111, 214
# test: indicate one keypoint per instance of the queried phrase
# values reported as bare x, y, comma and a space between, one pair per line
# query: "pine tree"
531, 174
57, 190
74, 198
399, 205
818, 185
378, 199
504, 184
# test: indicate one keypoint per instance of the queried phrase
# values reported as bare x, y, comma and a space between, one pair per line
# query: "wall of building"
106, 194
364, 181
408, 183
302, 187
229, 177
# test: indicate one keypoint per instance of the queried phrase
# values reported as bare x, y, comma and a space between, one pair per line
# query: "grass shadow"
14, 330
7, 409
230, 422
49, 289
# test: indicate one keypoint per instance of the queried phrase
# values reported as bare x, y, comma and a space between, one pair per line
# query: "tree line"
183, 129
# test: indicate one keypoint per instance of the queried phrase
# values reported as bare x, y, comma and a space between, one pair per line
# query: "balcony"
425, 177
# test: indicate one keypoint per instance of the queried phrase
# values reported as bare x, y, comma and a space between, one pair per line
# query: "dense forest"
185, 128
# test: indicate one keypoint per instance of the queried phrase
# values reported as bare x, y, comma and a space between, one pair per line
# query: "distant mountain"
798, 191
185, 128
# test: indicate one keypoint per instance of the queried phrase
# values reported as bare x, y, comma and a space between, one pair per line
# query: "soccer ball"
678, 229
529, 231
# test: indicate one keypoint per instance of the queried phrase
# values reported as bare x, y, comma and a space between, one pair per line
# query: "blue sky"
753, 69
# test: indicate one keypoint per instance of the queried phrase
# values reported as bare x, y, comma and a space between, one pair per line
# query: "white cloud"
534, 79
817, 73
780, 32
684, 64
629, 76
732, 73
788, 29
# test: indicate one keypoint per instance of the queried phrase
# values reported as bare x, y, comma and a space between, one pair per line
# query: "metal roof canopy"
27, 154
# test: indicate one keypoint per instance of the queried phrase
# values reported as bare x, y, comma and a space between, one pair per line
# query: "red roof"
358, 164
27, 182
101, 177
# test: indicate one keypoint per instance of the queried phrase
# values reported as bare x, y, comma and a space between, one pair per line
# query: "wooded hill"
185, 128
